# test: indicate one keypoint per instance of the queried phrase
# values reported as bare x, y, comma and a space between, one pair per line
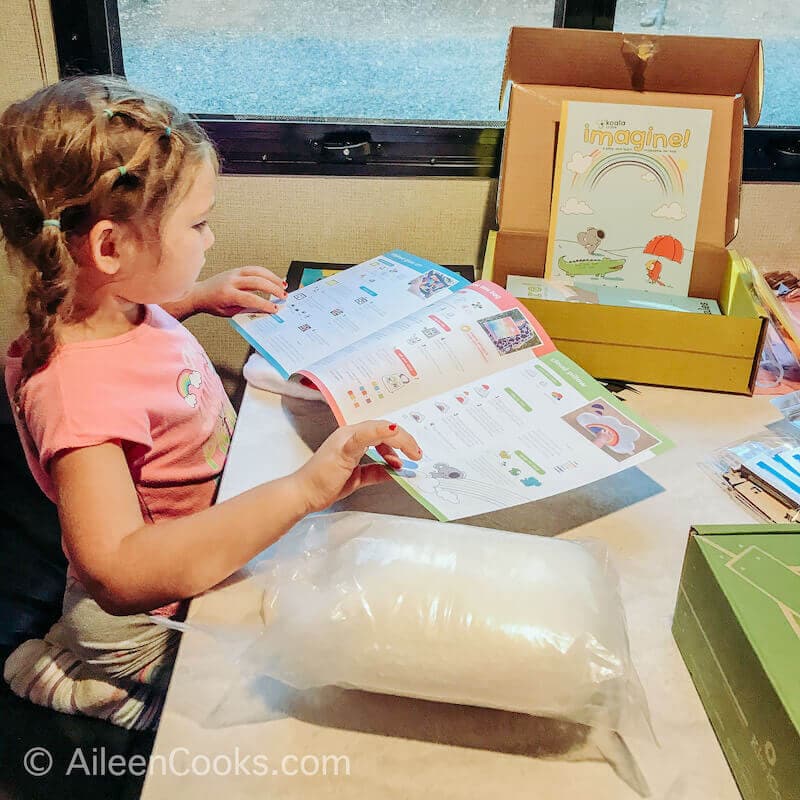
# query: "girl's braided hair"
84, 149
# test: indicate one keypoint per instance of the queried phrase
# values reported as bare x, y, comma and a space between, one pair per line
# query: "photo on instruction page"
510, 331
610, 430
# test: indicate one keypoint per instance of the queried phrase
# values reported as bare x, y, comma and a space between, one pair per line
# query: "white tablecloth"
401, 748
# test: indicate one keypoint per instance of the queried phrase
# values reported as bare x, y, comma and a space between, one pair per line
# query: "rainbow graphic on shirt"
188, 381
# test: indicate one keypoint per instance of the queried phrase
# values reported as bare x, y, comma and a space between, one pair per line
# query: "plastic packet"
779, 367
762, 472
789, 406
449, 613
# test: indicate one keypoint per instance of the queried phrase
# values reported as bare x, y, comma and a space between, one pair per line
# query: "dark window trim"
261, 146
772, 155
87, 37
88, 41
595, 14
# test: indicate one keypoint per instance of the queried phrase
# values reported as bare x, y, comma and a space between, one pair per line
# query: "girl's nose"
210, 238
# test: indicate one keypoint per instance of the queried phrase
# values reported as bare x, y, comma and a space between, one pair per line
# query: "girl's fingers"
250, 301
262, 272
376, 432
370, 474
389, 456
258, 283
403, 440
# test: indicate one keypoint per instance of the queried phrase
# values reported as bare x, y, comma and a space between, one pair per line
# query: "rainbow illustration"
188, 380
663, 168
609, 435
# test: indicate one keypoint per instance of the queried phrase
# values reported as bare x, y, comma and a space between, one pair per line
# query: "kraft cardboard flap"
529, 152
614, 60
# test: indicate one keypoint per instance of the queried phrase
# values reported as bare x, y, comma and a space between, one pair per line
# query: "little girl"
104, 197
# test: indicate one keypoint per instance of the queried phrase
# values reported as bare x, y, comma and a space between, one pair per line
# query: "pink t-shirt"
154, 390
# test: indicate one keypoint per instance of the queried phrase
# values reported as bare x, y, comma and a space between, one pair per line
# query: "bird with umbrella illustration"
665, 246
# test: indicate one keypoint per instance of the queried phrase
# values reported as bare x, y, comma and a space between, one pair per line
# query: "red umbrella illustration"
664, 247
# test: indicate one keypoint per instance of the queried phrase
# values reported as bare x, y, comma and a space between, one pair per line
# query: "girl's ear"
104, 246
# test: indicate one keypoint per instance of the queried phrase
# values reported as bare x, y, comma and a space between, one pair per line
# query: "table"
402, 748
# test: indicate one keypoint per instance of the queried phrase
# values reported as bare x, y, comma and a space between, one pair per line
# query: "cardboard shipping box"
548, 66
737, 625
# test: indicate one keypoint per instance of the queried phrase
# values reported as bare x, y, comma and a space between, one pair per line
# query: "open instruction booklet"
501, 416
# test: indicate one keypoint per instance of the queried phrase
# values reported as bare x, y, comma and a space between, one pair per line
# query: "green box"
737, 625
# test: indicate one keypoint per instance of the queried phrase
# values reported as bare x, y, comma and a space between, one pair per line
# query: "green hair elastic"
51, 223
123, 171
108, 112
168, 131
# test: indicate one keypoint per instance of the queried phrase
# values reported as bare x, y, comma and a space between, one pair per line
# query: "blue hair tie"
51, 223
168, 131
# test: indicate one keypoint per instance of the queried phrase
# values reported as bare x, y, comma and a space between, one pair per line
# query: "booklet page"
320, 319
536, 429
476, 331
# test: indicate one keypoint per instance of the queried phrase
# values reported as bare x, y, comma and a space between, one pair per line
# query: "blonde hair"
84, 149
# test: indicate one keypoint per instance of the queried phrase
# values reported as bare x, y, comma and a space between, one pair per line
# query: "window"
349, 59
387, 87
776, 23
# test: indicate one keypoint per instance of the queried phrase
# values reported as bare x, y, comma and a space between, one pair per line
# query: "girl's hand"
232, 292
334, 471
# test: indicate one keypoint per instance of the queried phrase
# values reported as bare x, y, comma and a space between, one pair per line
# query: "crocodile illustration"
590, 266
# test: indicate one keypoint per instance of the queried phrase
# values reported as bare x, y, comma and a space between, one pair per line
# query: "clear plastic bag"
728, 467
449, 613
789, 406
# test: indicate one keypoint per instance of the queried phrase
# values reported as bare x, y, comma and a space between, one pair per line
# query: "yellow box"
666, 348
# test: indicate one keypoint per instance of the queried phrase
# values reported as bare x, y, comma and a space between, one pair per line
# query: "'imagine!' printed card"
626, 195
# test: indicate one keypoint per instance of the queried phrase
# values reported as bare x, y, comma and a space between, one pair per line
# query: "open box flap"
614, 60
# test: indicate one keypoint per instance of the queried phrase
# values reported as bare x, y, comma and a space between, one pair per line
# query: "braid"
48, 299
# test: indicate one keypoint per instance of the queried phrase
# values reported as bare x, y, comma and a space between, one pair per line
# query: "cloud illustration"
648, 177
610, 432
573, 206
579, 163
670, 211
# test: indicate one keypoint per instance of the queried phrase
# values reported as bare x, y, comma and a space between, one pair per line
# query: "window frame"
88, 41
